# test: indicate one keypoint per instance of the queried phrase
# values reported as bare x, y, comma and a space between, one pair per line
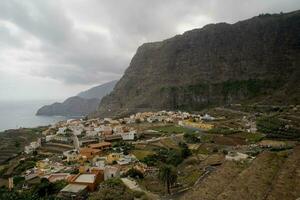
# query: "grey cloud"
88, 42
7, 39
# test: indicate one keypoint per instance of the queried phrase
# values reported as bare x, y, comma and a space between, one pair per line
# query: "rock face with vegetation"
98, 91
84, 103
73, 106
218, 64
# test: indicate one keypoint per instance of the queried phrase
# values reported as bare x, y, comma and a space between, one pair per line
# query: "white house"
131, 135
33, 146
61, 130
71, 155
207, 117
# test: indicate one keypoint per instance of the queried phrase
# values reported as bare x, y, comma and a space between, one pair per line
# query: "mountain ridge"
82, 104
214, 65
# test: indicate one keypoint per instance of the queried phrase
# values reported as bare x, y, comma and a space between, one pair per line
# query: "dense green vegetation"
191, 138
276, 128
168, 175
168, 156
134, 173
45, 190
250, 88
26, 164
223, 131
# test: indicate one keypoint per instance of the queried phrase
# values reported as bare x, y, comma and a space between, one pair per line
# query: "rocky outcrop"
84, 103
99, 91
217, 64
72, 107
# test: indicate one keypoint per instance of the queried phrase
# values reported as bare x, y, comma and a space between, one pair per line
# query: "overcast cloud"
56, 48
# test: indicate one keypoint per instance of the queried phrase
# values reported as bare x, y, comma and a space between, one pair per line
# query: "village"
99, 149
86, 153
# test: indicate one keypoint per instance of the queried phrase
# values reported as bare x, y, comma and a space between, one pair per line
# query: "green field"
141, 154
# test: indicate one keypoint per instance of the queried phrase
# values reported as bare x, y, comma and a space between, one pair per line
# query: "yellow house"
112, 157
42, 164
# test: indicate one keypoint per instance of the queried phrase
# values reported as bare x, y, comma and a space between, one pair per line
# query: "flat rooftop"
86, 178
74, 188
99, 145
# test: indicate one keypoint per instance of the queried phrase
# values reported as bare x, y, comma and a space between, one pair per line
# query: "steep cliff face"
217, 64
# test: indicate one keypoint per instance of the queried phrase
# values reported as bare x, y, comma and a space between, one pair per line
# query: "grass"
190, 178
141, 154
207, 138
168, 143
152, 184
172, 129
252, 137
223, 131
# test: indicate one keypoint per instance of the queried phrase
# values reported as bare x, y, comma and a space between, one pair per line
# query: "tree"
168, 175
134, 173
191, 138
17, 144
185, 151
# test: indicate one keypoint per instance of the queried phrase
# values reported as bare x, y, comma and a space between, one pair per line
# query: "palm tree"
168, 175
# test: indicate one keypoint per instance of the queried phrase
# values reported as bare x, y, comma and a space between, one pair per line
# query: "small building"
89, 153
72, 155
131, 135
61, 130
113, 157
126, 159
33, 146
111, 172
91, 180
57, 177
74, 191
101, 145
112, 137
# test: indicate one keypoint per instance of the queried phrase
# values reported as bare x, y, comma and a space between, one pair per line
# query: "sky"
53, 49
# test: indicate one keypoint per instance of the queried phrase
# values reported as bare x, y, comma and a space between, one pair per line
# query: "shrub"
191, 138
276, 128
134, 173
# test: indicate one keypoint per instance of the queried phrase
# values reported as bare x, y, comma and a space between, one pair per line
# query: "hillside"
98, 91
256, 59
84, 103
73, 106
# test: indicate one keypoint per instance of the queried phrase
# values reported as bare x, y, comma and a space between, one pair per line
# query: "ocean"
17, 114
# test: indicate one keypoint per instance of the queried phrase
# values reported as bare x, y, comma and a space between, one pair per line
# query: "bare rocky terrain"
253, 60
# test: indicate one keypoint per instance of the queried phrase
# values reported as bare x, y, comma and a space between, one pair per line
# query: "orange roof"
99, 145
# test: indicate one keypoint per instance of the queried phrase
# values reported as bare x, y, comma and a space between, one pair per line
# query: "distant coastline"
21, 114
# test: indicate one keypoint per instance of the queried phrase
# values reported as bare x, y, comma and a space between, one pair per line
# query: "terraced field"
271, 176
13, 141
287, 184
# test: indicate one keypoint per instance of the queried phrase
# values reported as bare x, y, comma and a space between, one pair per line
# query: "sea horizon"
22, 114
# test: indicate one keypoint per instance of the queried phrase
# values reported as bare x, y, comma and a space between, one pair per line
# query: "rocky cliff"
217, 64
98, 91
84, 103
73, 107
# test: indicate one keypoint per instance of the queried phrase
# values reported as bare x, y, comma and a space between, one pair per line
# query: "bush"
223, 131
191, 138
275, 128
185, 151
134, 173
